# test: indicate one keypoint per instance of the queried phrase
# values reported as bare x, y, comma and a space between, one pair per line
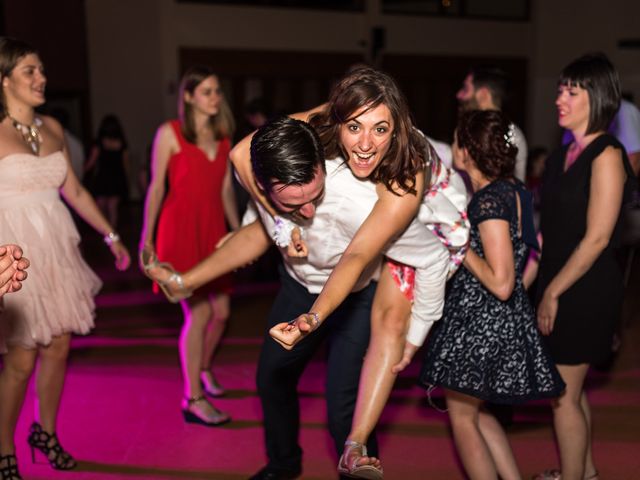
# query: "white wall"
126, 68
567, 29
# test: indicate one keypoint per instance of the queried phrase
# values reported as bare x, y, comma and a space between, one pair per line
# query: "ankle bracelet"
192, 400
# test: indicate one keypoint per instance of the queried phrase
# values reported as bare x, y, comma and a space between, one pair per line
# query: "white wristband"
282, 231
110, 238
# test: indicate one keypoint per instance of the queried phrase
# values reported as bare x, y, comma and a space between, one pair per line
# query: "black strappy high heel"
9, 468
49, 445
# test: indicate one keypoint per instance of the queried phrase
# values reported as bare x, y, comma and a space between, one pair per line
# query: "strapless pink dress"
58, 295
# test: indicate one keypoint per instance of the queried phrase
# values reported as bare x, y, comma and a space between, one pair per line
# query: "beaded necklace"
30, 133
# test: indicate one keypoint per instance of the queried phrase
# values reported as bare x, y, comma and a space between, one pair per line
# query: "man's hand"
287, 334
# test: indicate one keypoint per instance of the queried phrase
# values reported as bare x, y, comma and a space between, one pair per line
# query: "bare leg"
50, 375
112, 209
498, 443
589, 466
570, 422
214, 332
216, 328
471, 445
14, 378
197, 314
102, 205
389, 321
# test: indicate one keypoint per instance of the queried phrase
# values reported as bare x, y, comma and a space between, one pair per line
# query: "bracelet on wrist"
282, 230
316, 320
110, 238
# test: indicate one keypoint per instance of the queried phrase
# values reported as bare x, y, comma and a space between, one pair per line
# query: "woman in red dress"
192, 154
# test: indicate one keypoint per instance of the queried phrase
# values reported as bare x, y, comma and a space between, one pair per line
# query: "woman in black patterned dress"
487, 346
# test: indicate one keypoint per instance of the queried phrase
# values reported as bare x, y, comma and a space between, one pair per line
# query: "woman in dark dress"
108, 164
580, 280
487, 346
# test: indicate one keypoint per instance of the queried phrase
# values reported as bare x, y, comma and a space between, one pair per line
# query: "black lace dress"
485, 347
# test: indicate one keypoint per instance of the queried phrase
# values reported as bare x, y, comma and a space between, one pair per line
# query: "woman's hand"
120, 252
288, 334
409, 351
547, 311
297, 248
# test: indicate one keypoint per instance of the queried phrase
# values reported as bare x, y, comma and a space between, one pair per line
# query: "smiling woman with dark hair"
580, 280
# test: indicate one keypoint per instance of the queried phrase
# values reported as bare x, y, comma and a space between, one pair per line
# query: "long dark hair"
11, 51
367, 87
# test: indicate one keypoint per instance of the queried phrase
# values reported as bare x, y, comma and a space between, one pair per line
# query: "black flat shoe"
269, 473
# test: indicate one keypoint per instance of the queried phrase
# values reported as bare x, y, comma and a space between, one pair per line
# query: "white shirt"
443, 150
520, 171
347, 202
626, 126
76, 153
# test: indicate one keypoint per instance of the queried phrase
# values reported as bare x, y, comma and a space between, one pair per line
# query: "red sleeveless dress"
191, 219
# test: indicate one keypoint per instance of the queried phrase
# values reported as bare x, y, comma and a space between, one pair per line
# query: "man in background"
486, 88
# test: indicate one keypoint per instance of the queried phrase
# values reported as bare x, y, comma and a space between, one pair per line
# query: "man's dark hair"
494, 79
286, 151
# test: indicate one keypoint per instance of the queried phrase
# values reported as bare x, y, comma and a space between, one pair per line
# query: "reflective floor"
120, 415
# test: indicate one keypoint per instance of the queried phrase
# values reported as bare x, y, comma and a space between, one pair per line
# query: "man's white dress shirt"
347, 202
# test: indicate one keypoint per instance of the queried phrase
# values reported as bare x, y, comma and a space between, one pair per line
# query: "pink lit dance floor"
120, 414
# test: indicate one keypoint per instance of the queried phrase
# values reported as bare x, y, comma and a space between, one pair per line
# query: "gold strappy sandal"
348, 464
149, 260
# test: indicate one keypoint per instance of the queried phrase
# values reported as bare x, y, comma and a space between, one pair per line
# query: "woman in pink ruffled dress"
37, 322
